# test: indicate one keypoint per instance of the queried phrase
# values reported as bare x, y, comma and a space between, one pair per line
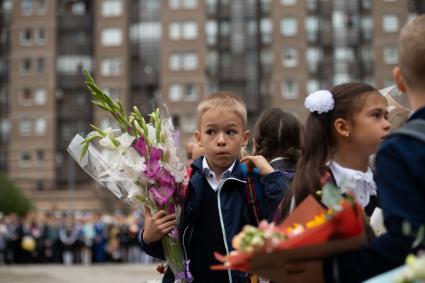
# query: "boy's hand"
157, 225
260, 162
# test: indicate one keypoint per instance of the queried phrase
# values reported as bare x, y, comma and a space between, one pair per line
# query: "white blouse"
360, 183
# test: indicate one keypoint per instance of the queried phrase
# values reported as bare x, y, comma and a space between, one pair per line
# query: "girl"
344, 127
277, 137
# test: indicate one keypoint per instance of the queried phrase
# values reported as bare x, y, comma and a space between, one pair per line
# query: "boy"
400, 168
216, 208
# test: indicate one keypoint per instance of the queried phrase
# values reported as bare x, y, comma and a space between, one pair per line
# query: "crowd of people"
71, 238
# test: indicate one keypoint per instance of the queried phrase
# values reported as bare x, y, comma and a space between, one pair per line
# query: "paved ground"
79, 274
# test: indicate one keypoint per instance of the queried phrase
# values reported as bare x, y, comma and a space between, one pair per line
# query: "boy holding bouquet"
216, 207
400, 167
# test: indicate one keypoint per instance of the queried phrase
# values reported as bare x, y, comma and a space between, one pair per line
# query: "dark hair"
319, 140
277, 133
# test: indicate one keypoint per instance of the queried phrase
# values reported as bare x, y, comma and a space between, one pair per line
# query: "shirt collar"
206, 168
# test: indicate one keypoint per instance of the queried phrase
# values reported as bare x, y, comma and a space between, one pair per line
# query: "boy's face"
221, 134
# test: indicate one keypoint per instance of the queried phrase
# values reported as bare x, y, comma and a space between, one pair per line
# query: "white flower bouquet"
138, 163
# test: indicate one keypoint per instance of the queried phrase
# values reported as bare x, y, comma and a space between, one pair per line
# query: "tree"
12, 200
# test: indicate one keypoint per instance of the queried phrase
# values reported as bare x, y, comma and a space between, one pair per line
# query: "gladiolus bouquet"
138, 163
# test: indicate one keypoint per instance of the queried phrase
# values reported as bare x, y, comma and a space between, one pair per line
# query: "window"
390, 23
290, 57
40, 65
73, 64
148, 31
390, 55
174, 30
40, 96
175, 62
224, 28
190, 4
289, 27
41, 7
188, 123
211, 29
26, 37
40, 126
78, 8
40, 36
312, 86
212, 61
186, 4
290, 89
7, 6
111, 8
111, 37
338, 19
266, 27
341, 78
311, 5
311, 27
313, 55
110, 67
175, 93
26, 7
288, 2
26, 65
25, 128
344, 54
190, 61
366, 25
190, 92
24, 158
25, 97
190, 30
4, 129
174, 4
39, 155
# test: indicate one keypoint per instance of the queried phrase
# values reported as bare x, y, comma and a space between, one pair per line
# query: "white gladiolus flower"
125, 141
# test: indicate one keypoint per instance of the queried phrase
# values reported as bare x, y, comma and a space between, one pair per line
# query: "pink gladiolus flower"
140, 146
161, 194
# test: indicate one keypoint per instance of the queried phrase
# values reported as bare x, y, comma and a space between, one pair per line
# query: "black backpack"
414, 129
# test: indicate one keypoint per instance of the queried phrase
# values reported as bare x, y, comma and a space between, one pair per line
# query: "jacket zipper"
220, 186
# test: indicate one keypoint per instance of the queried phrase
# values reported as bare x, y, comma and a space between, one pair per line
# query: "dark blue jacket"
400, 178
233, 208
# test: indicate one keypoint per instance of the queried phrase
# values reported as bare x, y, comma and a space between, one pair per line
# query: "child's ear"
245, 137
342, 127
198, 138
399, 79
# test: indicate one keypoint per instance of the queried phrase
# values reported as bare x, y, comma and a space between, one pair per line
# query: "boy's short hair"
412, 52
226, 101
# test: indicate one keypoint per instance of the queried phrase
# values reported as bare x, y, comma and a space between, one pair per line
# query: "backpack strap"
414, 129
253, 196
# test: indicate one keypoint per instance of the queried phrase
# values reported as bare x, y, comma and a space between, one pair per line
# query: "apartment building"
149, 52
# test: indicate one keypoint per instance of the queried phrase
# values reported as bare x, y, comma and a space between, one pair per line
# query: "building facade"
150, 52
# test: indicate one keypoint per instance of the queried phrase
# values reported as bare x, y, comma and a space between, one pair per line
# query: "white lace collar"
361, 183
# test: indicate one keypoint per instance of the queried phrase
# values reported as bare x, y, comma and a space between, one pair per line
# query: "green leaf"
101, 132
331, 196
419, 237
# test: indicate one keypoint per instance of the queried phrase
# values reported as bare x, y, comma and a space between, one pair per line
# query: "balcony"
68, 21
142, 76
70, 81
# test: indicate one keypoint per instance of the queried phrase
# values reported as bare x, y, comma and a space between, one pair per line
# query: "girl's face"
370, 125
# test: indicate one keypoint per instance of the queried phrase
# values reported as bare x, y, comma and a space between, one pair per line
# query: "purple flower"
162, 194
155, 154
140, 146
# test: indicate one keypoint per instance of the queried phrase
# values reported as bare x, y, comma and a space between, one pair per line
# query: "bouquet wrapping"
138, 162
309, 232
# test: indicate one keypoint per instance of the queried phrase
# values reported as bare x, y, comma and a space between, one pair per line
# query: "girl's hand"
157, 225
260, 162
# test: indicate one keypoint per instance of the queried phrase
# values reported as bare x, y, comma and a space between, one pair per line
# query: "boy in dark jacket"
400, 168
216, 208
